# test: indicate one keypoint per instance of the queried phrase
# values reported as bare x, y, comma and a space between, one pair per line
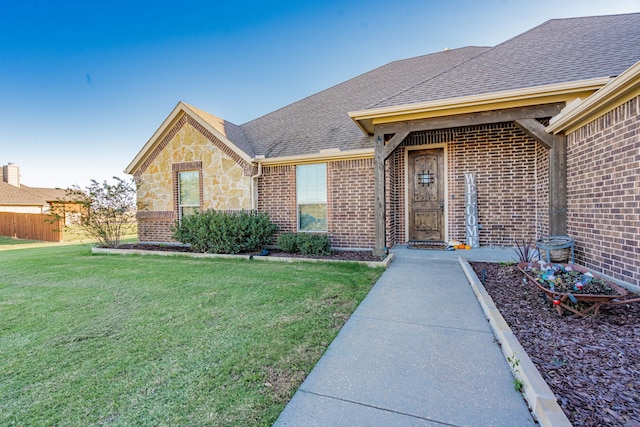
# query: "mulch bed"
592, 364
335, 255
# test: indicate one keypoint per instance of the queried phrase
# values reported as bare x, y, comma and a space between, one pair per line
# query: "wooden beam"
536, 130
557, 146
394, 142
558, 187
380, 203
471, 119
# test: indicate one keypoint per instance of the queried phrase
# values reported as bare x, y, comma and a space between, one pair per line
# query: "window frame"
322, 201
182, 205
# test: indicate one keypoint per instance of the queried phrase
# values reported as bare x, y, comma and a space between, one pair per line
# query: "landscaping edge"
373, 264
536, 391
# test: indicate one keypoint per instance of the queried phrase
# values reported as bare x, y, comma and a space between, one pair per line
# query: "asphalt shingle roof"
558, 51
226, 128
24, 195
321, 121
10, 195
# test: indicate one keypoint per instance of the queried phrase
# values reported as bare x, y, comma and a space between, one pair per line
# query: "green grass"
6, 240
70, 235
128, 340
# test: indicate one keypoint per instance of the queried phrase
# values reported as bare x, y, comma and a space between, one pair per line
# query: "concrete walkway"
418, 351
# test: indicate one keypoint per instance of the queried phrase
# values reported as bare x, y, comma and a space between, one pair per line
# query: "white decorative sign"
471, 210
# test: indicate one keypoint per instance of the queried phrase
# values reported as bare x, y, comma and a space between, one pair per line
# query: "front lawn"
6, 240
127, 340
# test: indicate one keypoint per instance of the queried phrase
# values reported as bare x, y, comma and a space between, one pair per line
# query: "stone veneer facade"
225, 178
603, 180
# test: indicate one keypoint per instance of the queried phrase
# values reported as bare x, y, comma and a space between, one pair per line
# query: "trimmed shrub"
313, 244
221, 232
288, 242
304, 243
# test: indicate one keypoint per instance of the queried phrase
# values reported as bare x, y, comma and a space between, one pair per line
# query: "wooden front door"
426, 194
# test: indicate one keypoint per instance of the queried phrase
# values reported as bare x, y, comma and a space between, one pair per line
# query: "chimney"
11, 174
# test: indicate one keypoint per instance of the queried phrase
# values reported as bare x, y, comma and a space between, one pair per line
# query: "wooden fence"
30, 226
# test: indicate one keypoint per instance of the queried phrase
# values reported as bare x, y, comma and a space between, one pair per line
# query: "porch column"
558, 187
380, 205
557, 146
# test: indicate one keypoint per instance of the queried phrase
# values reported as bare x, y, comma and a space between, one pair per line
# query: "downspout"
254, 195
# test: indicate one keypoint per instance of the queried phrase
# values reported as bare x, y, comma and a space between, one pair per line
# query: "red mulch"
592, 364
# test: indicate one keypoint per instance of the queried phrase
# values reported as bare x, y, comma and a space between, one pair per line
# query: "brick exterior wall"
155, 226
351, 197
511, 171
277, 196
512, 177
350, 201
603, 174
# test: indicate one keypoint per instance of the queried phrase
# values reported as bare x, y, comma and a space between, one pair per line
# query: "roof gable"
226, 132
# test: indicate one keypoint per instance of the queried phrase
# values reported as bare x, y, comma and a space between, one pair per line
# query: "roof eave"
367, 119
620, 90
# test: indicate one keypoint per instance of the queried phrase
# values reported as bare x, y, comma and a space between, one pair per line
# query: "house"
487, 145
19, 198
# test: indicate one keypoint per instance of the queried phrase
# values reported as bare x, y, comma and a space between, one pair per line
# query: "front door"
426, 194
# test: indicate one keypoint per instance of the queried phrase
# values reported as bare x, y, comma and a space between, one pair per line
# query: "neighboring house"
383, 158
19, 198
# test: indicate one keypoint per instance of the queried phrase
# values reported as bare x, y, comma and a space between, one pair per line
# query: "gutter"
333, 154
252, 186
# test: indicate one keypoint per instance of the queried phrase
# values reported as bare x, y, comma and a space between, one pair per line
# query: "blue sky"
84, 84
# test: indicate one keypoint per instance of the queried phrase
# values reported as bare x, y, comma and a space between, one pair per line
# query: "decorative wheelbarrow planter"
565, 284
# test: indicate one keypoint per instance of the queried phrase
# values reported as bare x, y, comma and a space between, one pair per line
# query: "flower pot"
556, 248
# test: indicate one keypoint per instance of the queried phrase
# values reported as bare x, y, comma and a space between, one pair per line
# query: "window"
311, 191
188, 192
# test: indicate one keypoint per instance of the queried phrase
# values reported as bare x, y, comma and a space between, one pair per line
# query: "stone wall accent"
249, 169
225, 184
603, 174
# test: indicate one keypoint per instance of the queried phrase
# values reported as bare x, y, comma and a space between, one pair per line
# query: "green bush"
313, 244
304, 243
225, 232
288, 242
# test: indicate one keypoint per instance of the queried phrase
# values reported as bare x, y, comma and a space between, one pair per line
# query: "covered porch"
425, 154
